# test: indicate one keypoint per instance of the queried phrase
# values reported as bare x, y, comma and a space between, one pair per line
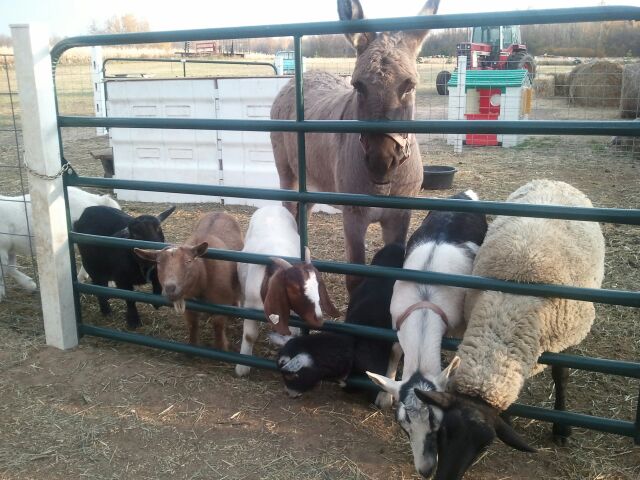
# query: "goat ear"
200, 250
509, 436
415, 38
442, 379
437, 399
388, 385
149, 255
163, 216
276, 303
300, 361
352, 10
325, 302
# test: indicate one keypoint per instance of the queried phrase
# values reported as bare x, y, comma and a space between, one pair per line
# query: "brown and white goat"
280, 286
383, 86
184, 274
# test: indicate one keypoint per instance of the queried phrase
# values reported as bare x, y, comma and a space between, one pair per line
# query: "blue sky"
73, 17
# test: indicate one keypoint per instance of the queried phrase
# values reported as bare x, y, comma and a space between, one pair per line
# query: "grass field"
109, 410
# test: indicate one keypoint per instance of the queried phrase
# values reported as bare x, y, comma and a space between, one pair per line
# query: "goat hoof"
561, 434
133, 324
384, 401
242, 370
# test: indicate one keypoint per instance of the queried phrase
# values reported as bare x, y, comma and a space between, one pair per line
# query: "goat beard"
179, 306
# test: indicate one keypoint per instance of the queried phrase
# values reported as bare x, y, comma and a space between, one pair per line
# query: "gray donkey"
382, 87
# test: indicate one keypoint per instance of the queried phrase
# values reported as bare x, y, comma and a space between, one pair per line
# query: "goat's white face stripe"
311, 292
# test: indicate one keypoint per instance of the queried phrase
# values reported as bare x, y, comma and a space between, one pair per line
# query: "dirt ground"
111, 410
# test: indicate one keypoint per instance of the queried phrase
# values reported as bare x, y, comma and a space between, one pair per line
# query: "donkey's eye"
359, 87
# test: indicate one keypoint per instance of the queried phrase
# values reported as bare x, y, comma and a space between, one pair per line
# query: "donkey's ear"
352, 10
509, 436
163, 216
415, 38
276, 303
200, 250
149, 255
388, 385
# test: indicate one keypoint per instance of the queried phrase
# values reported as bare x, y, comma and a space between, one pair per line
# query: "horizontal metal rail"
184, 61
620, 427
531, 127
615, 297
599, 365
612, 215
530, 17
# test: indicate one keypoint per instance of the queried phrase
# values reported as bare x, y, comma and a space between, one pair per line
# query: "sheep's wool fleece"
506, 333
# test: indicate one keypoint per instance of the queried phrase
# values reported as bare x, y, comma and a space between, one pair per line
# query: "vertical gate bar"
72, 252
636, 437
302, 161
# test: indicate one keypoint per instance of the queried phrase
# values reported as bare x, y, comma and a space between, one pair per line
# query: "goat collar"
404, 140
423, 304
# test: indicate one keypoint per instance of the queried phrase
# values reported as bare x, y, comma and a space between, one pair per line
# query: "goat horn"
307, 255
281, 262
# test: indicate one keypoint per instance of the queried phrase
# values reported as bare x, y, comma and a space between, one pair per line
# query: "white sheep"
16, 231
506, 333
279, 287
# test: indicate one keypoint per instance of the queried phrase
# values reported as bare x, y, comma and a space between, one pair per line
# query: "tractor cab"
494, 48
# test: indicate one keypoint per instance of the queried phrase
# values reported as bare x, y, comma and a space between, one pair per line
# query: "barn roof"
492, 78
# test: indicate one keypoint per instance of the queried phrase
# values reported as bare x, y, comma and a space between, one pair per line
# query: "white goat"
279, 287
16, 231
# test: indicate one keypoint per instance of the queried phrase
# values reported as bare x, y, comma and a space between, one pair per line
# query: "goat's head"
176, 269
147, 227
418, 420
299, 288
385, 79
468, 426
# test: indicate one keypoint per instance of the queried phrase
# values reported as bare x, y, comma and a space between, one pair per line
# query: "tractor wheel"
442, 81
522, 60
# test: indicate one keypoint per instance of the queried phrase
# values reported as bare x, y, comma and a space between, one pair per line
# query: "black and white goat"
422, 314
120, 265
305, 361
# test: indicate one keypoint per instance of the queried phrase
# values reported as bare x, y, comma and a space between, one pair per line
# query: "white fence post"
462, 101
42, 153
97, 80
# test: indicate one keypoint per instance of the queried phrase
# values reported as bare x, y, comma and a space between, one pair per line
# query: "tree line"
600, 39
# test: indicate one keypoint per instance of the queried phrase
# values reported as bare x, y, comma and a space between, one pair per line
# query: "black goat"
120, 265
304, 361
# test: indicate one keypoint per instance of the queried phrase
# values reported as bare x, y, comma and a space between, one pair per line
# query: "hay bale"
630, 95
544, 85
561, 84
596, 84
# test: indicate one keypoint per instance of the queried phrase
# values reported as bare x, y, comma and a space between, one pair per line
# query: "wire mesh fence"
18, 272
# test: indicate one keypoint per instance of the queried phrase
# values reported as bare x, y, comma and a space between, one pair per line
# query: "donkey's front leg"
395, 226
355, 223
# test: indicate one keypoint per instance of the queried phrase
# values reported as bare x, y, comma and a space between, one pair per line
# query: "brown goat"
184, 275
382, 88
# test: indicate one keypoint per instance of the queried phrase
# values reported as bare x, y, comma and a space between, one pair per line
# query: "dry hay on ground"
596, 84
561, 84
630, 92
544, 86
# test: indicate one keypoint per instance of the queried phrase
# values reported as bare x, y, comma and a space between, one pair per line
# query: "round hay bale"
596, 84
561, 84
544, 85
630, 95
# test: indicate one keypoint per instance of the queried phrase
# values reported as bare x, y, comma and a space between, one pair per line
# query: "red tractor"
491, 48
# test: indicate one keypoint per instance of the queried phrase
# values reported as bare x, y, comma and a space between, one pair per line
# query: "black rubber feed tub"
438, 177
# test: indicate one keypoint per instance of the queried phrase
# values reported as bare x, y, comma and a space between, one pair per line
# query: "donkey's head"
385, 79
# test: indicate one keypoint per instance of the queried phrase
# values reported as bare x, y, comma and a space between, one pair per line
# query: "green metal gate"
300, 125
